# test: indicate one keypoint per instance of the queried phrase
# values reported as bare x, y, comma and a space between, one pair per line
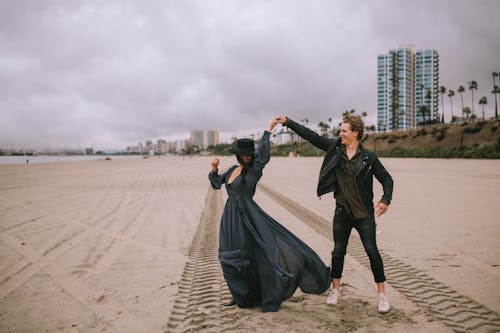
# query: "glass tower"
426, 86
406, 80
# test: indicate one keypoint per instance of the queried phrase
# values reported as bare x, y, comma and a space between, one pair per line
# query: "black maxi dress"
263, 263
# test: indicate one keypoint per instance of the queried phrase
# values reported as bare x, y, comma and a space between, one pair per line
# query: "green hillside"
468, 140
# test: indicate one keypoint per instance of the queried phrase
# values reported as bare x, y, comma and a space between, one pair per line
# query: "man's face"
347, 135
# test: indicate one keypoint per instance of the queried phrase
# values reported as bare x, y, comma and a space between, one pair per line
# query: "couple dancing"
264, 263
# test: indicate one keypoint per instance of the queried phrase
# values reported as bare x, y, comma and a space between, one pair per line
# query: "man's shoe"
383, 304
333, 297
230, 303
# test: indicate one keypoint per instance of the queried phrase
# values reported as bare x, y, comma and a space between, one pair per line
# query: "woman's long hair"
245, 168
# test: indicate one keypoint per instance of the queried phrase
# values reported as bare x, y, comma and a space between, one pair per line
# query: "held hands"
280, 119
380, 209
215, 164
275, 121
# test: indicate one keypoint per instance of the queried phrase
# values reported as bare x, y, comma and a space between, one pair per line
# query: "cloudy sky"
113, 73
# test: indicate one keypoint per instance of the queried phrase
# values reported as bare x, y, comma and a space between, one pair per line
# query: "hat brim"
236, 151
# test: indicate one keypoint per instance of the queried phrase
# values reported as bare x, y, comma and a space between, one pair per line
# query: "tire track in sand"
64, 242
458, 312
202, 288
107, 311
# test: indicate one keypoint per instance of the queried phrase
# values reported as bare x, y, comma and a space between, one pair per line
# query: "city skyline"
111, 74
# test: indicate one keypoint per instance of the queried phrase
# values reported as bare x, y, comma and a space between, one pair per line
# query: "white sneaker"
383, 304
333, 297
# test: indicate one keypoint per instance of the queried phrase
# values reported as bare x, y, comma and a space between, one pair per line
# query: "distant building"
426, 84
148, 147
135, 149
171, 147
161, 146
283, 137
204, 138
406, 80
180, 145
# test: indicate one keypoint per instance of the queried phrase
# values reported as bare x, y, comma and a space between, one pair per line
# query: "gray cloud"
114, 73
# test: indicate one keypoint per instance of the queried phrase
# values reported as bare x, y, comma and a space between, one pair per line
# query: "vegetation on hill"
478, 139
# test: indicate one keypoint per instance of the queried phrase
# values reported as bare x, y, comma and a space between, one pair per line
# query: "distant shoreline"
40, 159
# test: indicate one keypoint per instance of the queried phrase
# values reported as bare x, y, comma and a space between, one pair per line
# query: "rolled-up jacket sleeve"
385, 179
309, 135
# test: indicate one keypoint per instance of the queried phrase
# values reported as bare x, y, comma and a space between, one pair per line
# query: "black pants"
342, 227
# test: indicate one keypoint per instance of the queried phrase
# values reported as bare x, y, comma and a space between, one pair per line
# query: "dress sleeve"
263, 153
217, 180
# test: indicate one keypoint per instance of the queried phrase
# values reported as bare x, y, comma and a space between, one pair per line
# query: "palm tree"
495, 91
423, 110
467, 111
472, 87
483, 101
428, 99
451, 93
442, 90
461, 90
323, 128
320, 126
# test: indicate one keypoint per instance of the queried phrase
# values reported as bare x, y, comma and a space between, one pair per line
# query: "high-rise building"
426, 85
398, 88
212, 138
161, 146
204, 138
180, 145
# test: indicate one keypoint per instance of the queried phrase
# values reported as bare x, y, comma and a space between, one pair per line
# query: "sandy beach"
131, 246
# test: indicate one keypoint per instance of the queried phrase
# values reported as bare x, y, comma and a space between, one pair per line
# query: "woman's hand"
215, 164
272, 125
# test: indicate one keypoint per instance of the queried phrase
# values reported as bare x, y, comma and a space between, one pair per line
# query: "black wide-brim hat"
243, 147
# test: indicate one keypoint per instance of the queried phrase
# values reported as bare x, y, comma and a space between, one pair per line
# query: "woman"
263, 263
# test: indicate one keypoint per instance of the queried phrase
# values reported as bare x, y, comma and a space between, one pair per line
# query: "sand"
131, 246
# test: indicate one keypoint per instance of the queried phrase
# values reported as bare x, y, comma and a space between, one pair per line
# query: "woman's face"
247, 159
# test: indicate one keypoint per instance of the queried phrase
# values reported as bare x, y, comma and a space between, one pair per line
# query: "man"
347, 171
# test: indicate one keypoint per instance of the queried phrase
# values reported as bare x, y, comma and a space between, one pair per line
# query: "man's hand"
215, 164
380, 209
280, 119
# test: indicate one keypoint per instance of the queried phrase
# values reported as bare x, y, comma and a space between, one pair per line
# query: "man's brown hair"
356, 124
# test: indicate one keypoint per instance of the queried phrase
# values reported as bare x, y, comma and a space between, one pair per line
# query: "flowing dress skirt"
264, 263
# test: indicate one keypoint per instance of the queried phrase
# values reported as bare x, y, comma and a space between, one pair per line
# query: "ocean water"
56, 159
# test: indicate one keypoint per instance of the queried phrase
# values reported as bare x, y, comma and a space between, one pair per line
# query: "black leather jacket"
367, 166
